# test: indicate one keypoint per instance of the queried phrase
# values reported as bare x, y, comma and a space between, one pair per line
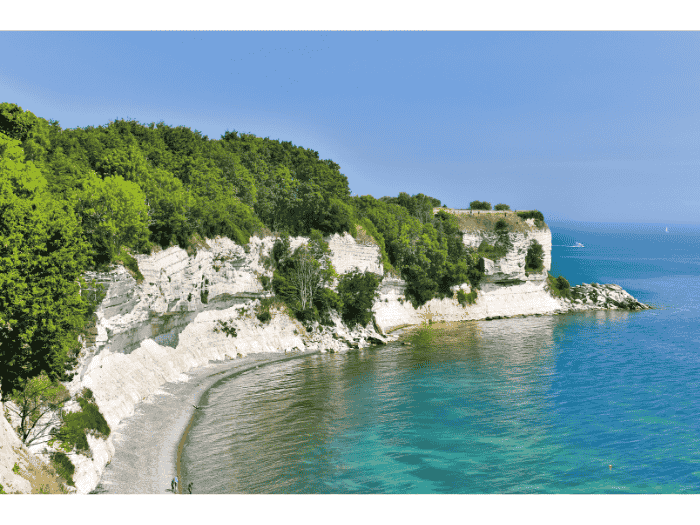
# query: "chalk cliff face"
511, 268
21, 472
151, 333
349, 255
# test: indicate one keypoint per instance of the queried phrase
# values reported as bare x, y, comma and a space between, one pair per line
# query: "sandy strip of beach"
149, 443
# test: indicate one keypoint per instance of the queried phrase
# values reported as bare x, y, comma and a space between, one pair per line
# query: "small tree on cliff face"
357, 292
34, 401
534, 260
299, 277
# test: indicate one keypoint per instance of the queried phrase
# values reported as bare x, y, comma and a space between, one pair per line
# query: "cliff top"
481, 220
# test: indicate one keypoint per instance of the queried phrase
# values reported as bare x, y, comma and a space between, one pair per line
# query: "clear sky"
584, 126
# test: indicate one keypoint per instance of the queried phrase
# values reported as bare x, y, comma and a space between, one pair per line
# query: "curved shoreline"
147, 444
229, 375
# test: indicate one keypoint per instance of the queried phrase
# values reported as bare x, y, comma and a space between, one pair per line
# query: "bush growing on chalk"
532, 214
225, 327
559, 286
74, 425
357, 292
534, 260
64, 466
465, 298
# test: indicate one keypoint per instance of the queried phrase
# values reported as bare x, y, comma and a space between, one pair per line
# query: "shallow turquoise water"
601, 402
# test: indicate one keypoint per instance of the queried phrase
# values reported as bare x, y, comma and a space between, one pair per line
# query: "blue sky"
584, 126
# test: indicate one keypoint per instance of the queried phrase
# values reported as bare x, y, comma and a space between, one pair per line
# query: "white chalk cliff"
151, 333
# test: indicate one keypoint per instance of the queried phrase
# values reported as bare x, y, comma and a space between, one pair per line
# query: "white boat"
578, 245
666, 229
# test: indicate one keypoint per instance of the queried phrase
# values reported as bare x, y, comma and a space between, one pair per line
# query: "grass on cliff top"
487, 222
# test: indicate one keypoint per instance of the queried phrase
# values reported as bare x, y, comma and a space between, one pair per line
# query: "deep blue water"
599, 402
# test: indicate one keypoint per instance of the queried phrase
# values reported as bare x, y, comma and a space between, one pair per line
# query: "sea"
604, 402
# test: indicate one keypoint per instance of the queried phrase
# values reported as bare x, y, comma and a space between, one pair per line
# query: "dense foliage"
43, 255
357, 292
301, 278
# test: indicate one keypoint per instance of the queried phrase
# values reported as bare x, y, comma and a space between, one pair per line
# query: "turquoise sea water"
599, 402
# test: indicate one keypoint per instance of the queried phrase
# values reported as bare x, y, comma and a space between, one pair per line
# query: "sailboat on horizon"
666, 229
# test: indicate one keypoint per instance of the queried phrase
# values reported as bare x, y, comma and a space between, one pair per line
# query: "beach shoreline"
148, 445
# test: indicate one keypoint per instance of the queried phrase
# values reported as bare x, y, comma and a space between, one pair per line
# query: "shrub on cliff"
501, 207
72, 432
479, 205
357, 292
465, 298
299, 278
501, 226
493, 252
534, 260
64, 466
533, 214
129, 262
34, 400
559, 286
263, 310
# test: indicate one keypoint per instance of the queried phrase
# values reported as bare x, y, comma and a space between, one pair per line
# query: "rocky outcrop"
603, 296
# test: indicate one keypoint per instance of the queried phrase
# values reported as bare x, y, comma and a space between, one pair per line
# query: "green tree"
37, 401
479, 205
299, 278
357, 293
42, 259
113, 213
562, 283
534, 259
501, 207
